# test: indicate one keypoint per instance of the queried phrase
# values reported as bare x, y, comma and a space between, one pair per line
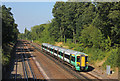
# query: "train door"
73, 59
78, 60
82, 61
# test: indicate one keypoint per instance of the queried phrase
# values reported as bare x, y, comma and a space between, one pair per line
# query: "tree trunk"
74, 36
64, 38
61, 34
64, 34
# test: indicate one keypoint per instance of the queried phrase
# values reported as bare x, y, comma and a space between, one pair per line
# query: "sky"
29, 14
32, 0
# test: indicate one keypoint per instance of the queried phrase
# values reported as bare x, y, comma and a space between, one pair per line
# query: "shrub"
112, 59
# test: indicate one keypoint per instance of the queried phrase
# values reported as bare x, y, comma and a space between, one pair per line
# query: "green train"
77, 59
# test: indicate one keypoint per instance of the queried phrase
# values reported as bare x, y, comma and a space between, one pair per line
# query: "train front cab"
81, 62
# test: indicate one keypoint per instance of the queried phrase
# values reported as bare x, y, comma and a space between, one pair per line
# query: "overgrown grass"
113, 58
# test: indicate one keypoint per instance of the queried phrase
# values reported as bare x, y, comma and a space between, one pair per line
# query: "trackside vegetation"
92, 28
9, 36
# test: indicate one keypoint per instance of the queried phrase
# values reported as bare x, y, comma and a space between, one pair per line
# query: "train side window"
73, 58
55, 51
67, 56
45, 47
51, 49
86, 58
61, 54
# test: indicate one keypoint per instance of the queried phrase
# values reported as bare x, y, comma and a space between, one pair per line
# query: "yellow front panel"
82, 61
73, 55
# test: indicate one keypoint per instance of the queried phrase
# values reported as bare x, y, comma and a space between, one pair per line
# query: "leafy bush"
6, 54
71, 46
94, 54
69, 41
93, 38
112, 59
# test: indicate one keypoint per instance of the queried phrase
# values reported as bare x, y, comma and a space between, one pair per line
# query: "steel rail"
63, 66
50, 57
30, 67
24, 68
29, 51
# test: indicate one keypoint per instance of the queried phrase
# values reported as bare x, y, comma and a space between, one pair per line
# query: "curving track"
78, 75
33, 63
25, 67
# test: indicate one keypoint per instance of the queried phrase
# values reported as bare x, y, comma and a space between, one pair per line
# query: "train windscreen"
78, 58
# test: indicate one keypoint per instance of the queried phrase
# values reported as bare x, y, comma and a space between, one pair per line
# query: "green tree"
59, 14
91, 36
9, 34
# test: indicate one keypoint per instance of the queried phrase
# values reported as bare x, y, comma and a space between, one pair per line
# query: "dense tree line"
9, 34
77, 17
93, 28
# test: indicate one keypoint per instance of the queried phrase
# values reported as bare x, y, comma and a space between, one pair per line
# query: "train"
78, 60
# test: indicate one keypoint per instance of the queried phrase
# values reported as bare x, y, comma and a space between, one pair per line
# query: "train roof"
67, 51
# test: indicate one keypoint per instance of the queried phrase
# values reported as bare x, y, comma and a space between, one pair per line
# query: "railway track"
24, 68
37, 73
17, 64
28, 66
67, 68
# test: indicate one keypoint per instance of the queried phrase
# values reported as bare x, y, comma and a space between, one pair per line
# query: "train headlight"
86, 62
78, 64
